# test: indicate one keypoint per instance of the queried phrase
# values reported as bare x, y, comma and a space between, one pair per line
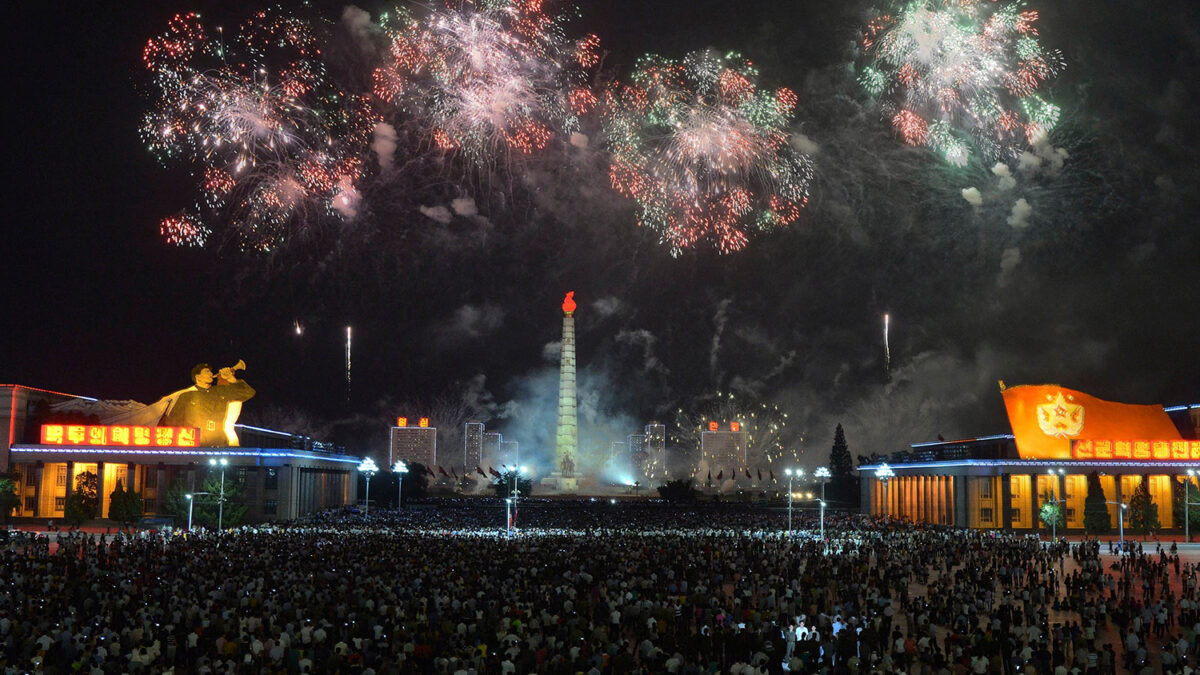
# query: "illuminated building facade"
510, 452
724, 450
1059, 438
491, 447
51, 441
472, 446
656, 439
413, 444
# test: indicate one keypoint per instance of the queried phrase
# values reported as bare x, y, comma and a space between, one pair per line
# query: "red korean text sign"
109, 435
1136, 450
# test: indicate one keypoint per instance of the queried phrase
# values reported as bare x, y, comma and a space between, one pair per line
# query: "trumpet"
240, 365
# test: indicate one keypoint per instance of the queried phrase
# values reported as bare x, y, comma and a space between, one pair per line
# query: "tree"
677, 491
1180, 492
206, 510
1052, 513
125, 506
1143, 512
1095, 511
9, 499
503, 485
844, 483
84, 501
175, 501
416, 483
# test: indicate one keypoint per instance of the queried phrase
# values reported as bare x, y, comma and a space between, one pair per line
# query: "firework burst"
765, 426
489, 78
704, 152
960, 74
274, 144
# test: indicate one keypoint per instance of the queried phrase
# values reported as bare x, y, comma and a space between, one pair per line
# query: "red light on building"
735, 426
713, 426
401, 421
423, 422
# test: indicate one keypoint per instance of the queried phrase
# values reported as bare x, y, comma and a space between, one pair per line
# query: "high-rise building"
656, 439
413, 444
724, 450
637, 444
491, 447
472, 446
567, 436
510, 452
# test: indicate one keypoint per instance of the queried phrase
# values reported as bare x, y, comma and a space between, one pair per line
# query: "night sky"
1098, 292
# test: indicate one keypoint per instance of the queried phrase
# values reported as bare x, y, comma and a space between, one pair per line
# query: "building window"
1016, 515
985, 489
270, 507
241, 475
60, 478
985, 515
150, 478
271, 479
1070, 514
31, 503
60, 503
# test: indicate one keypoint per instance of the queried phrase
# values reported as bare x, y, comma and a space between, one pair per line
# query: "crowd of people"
592, 587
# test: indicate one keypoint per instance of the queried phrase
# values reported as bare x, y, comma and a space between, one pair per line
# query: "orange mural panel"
1046, 418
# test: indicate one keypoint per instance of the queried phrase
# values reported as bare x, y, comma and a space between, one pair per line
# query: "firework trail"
704, 152
961, 74
489, 78
273, 143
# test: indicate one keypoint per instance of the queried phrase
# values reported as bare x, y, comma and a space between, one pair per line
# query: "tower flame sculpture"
567, 447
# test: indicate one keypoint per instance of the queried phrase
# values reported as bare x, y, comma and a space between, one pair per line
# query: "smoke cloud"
973, 197
1007, 182
1008, 262
1021, 210
383, 144
439, 214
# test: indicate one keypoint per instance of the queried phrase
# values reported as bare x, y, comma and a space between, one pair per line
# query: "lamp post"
368, 468
222, 462
884, 473
1056, 499
510, 503
822, 519
400, 468
823, 474
788, 471
191, 497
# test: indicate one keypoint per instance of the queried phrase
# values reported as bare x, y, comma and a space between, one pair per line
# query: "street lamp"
400, 468
823, 475
222, 462
884, 473
1055, 500
191, 497
368, 468
510, 503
